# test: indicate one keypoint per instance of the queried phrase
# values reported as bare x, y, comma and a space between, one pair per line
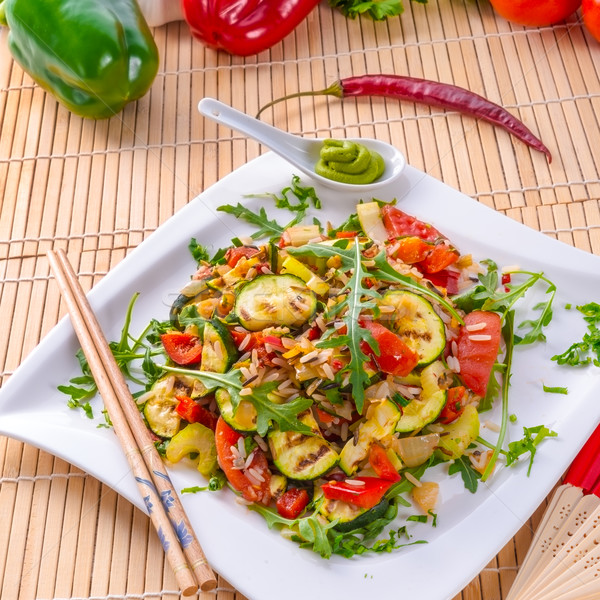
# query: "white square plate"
471, 528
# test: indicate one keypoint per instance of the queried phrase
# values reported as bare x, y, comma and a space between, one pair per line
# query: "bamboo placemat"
98, 189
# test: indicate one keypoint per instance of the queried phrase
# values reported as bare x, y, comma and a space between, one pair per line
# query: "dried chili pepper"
244, 27
433, 93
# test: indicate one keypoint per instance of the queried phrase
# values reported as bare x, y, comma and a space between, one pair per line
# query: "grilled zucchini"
415, 321
218, 350
244, 418
300, 456
274, 300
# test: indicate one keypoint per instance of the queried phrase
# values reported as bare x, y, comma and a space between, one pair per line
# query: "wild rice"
280, 362
250, 380
246, 391
288, 343
355, 482
254, 472
476, 326
412, 479
453, 364
241, 447
245, 342
492, 426
310, 356
328, 371
480, 338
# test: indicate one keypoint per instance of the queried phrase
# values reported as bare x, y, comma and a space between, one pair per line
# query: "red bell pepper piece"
381, 464
234, 254
292, 502
192, 412
244, 27
182, 348
366, 492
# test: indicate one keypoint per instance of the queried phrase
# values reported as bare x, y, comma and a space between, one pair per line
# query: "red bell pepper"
292, 502
366, 492
244, 27
182, 348
382, 465
192, 412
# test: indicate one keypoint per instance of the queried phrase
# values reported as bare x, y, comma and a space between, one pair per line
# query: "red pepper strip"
433, 93
367, 492
292, 502
244, 27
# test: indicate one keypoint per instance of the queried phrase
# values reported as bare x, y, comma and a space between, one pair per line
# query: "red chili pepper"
244, 27
433, 93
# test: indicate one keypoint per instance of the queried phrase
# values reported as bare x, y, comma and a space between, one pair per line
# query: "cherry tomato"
192, 412
381, 464
591, 16
454, 404
366, 492
233, 255
259, 491
398, 224
477, 354
395, 357
182, 348
535, 13
292, 502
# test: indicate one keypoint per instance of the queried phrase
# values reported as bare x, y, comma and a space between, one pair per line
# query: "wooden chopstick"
164, 507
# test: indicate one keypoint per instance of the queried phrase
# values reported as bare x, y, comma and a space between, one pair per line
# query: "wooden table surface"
98, 189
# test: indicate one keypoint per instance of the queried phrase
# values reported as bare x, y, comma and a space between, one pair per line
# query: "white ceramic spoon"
301, 152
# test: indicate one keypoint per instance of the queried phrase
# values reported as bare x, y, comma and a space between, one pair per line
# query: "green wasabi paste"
349, 162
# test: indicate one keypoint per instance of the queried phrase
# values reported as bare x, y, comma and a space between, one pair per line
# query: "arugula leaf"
198, 252
470, 476
532, 437
304, 195
582, 353
268, 412
375, 9
555, 390
267, 228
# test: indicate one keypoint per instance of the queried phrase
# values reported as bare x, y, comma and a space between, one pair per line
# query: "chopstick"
565, 543
166, 512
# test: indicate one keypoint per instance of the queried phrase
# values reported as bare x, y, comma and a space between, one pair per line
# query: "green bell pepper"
94, 56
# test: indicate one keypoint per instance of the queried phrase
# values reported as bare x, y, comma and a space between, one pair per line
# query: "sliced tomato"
365, 492
292, 502
447, 279
252, 491
440, 257
478, 349
454, 404
398, 224
412, 249
394, 357
192, 412
182, 348
234, 254
381, 464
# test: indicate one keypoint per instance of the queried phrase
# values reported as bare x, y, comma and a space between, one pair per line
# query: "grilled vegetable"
417, 323
421, 411
196, 440
456, 437
300, 456
160, 409
244, 418
271, 300
218, 349
381, 422
350, 517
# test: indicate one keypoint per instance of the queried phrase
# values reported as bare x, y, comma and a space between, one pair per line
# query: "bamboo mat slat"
97, 189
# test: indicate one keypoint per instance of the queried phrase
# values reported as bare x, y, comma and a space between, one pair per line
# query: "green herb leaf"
470, 476
556, 390
588, 349
375, 9
532, 438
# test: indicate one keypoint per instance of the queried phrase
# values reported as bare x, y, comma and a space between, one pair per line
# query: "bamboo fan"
563, 561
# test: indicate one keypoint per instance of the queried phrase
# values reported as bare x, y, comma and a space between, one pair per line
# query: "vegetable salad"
321, 372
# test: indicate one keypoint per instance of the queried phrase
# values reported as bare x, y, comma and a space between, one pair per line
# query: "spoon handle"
281, 142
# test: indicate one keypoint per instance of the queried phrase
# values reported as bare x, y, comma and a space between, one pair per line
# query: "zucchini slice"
194, 290
350, 517
218, 351
415, 321
300, 456
198, 440
426, 409
458, 435
159, 409
244, 418
274, 300
381, 423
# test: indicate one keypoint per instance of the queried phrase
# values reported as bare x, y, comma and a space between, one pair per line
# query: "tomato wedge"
253, 490
440, 257
381, 464
478, 344
182, 348
411, 249
454, 404
292, 502
365, 492
395, 357
399, 224
234, 254
192, 412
